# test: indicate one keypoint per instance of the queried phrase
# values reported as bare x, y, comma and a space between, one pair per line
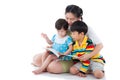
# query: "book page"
53, 51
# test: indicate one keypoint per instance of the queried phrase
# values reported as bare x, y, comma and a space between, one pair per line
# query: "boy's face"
76, 36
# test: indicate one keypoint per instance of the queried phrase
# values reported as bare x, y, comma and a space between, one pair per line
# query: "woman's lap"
66, 65
58, 66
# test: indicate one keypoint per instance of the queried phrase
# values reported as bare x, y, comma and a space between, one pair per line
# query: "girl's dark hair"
79, 26
74, 9
61, 23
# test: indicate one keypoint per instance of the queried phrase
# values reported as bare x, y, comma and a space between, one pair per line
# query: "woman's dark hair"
61, 23
79, 26
74, 9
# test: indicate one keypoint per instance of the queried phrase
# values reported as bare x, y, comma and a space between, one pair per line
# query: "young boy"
82, 48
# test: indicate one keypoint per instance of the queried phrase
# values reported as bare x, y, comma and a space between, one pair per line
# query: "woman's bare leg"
45, 64
37, 60
58, 66
55, 67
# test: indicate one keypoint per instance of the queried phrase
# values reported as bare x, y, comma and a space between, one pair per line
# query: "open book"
58, 53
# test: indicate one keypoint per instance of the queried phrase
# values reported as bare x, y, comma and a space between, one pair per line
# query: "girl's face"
70, 18
62, 32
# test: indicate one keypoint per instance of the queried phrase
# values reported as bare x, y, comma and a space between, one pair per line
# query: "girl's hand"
44, 35
46, 38
61, 55
49, 46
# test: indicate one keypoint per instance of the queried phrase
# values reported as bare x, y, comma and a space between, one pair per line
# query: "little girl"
61, 42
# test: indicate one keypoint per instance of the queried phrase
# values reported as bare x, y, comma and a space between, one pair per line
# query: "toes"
34, 64
34, 72
81, 75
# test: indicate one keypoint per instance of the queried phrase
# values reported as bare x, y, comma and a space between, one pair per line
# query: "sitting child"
82, 48
61, 42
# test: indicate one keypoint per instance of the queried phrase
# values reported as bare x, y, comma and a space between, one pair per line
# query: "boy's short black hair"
79, 26
61, 23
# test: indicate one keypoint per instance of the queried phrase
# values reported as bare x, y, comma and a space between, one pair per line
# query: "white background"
22, 21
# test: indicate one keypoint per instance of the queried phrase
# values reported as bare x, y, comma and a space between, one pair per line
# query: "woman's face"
70, 18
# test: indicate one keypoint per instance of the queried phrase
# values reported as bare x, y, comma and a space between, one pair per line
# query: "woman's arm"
95, 39
97, 49
93, 36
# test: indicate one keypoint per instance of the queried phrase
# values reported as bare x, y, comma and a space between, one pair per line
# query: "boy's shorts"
93, 66
66, 65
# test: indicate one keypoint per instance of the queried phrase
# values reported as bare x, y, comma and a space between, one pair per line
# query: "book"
53, 51
58, 53
72, 56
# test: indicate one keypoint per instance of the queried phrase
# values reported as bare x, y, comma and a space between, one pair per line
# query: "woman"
72, 13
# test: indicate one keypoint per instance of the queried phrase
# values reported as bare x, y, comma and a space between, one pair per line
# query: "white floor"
63, 76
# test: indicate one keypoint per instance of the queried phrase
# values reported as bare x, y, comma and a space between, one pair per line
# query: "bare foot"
35, 64
89, 72
37, 71
81, 74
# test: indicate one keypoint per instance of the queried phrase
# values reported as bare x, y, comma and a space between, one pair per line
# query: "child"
82, 48
61, 42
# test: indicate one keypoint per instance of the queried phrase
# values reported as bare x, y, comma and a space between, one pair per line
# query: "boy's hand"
84, 57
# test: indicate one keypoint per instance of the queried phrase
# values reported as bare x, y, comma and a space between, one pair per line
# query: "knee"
51, 68
55, 67
37, 57
45, 53
98, 74
74, 70
50, 56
